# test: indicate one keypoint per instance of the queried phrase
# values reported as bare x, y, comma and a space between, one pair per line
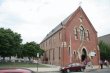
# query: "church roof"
64, 22
58, 27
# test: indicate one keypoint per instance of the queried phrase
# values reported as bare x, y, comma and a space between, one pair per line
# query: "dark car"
72, 67
15, 70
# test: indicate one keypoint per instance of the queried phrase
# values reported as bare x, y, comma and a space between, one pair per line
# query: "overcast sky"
34, 19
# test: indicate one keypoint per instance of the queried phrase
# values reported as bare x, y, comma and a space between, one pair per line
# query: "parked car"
72, 67
15, 70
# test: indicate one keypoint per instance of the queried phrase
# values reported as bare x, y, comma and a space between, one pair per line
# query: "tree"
9, 42
30, 49
104, 50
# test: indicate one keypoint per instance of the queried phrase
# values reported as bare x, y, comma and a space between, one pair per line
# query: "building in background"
73, 40
105, 38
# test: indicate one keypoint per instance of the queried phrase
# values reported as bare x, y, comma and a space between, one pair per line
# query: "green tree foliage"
30, 49
10, 45
104, 50
9, 42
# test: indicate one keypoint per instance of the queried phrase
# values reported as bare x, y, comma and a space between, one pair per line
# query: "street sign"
37, 55
92, 53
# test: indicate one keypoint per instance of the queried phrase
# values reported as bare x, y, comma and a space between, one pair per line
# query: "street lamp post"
37, 61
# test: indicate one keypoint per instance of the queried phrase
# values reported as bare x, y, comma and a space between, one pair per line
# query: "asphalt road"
106, 70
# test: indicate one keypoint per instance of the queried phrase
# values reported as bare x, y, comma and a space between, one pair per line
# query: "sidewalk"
49, 68
88, 69
96, 67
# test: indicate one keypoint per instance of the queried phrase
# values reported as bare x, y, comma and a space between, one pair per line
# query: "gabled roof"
58, 27
64, 22
53, 31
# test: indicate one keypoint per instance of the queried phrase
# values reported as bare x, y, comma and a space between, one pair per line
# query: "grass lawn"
20, 65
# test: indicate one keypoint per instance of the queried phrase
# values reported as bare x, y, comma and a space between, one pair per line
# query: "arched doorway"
84, 54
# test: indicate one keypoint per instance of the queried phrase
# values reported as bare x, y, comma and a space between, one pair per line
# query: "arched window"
53, 54
87, 35
49, 54
76, 33
82, 33
59, 53
69, 50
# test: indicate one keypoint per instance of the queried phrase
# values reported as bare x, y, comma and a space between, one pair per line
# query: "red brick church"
73, 40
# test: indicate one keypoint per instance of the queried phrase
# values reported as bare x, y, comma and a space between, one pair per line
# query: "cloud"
33, 19
98, 14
